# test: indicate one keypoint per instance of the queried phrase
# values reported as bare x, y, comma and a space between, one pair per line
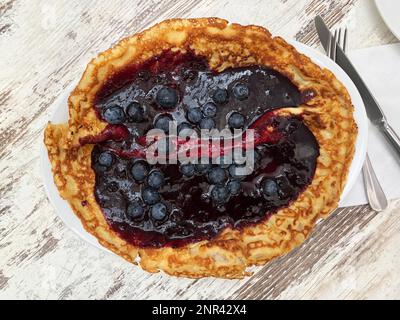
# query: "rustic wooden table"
45, 46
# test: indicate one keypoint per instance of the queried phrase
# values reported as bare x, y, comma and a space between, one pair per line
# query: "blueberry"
269, 188
236, 120
202, 167
167, 98
187, 169
207, 123
217, 175
162, 123
158, 211
156, 179
220, 194
150, 196
234, 187
183, 126
135, 210
135, 112
194, 115
139, 170
241, 91
209, 110
106, 159
114, 115
220, 96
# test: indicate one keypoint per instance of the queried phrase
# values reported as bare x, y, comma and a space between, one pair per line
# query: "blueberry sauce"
175, 204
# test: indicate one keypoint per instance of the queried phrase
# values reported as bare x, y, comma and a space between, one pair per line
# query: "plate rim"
73, 222
389, 25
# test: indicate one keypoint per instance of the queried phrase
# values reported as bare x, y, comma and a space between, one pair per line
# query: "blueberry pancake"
203, 219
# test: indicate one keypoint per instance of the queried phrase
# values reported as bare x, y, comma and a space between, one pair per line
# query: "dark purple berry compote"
175, 204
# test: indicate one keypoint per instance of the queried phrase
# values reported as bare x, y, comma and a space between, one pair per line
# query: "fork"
376, 197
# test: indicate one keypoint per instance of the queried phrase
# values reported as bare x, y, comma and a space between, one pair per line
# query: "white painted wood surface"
45, 46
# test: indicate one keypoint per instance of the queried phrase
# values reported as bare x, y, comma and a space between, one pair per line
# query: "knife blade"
374, 111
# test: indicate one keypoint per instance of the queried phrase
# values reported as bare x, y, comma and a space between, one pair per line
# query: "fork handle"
391, 135
376, 197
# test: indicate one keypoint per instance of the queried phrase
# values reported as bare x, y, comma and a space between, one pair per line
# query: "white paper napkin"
380, 69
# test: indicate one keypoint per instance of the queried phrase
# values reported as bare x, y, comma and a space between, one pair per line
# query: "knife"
372, 107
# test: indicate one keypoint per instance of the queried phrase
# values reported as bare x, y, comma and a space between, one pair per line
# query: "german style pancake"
200, 219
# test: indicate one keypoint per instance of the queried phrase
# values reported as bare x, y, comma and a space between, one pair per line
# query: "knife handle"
391, 135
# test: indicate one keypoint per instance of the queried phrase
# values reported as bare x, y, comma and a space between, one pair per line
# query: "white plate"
390, 12
61, 115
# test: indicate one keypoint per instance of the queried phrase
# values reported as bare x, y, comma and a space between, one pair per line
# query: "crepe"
328, 114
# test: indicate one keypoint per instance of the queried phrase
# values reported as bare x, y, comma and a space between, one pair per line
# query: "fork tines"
335, 41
